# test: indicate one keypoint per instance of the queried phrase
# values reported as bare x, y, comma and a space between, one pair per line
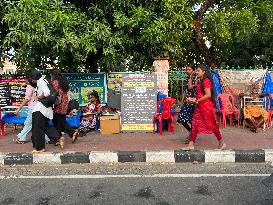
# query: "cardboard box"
110, 124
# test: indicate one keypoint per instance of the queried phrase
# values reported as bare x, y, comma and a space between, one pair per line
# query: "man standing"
41, 114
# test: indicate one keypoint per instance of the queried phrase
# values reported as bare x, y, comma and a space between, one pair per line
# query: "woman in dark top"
60, 84
187, 109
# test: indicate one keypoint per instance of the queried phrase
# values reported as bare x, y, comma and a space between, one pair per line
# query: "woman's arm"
25, 102
206, 96
39, 97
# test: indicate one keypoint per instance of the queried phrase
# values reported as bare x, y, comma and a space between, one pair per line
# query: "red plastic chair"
166, 114
227, 109
2, 124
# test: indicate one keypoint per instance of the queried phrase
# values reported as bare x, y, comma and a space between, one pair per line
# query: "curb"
168, 156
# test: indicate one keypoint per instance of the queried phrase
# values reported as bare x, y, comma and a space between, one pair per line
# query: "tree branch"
199, 36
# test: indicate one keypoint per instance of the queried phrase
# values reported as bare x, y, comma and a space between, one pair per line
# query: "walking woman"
61, 86
204, 117
30, 92
186, 112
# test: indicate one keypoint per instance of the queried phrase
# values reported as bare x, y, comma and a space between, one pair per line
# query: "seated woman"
255, 117
88, 121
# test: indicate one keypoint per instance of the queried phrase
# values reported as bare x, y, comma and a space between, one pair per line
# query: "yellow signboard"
147, 127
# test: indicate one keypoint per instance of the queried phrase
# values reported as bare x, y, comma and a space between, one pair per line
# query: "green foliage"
45, 32
240, 31
77, 35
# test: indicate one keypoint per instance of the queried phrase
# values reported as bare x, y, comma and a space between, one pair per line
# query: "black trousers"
186, 125
59, 122
40, 127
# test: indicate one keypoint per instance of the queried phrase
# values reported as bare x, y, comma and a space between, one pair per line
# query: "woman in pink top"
30, 92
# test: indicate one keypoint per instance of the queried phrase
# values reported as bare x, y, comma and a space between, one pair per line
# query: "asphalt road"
137, 184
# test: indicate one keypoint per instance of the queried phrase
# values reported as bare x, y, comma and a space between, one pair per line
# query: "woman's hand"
35, 98
17, 112
191, 100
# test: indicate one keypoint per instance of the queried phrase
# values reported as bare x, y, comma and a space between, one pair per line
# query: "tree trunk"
199, 36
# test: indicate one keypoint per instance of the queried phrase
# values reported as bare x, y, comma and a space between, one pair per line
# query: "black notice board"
12, 90
138, 102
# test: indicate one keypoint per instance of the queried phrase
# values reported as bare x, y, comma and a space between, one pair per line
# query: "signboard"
138, 102
162, 71
12, 90
115, 81
82, 85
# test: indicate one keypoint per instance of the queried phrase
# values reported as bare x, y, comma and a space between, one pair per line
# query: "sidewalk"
243, 147
235, 138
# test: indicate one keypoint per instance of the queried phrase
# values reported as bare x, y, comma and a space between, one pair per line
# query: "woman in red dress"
204, 117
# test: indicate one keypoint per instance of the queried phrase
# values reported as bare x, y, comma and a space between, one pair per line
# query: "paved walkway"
235, 138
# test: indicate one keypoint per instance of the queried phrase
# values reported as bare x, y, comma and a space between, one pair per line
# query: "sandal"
37, 151
187, 141
62, 142
75, 136
222, 147
188, 148
17, 141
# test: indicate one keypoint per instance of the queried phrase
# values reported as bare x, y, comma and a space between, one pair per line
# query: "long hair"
62, 80
31, 83
208, 75
96, 95
34, 74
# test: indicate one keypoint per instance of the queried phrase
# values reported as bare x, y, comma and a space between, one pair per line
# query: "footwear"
222, 147
188, 148
51, 142
17, 141
62, 142
37, 151
75, 136
187, 141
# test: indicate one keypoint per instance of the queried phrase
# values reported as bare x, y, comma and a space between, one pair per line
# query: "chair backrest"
167, 104
259, 101
225, 102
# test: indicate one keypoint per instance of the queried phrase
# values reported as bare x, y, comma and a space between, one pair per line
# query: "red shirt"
63, 106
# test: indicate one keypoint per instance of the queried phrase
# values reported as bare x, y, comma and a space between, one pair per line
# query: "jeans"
27, 128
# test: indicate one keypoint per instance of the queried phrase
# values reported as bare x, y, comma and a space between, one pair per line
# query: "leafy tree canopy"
80, 35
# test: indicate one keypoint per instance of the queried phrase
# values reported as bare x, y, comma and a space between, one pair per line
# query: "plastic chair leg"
160, 126
3, 129
224, 120
154, 125
172, 125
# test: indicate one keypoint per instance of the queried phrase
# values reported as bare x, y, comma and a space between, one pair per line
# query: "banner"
246, 81
82, 85
162, 71
12, 90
